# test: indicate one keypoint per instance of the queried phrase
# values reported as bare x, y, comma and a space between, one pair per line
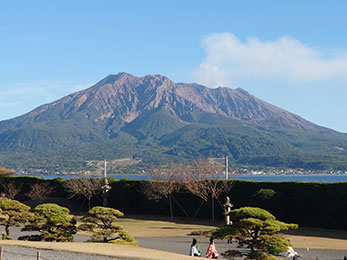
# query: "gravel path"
22, 253
178, 245
181, 245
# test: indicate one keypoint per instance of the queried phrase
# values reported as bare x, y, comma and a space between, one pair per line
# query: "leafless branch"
40, 191
87, 187
166, 179
204, 179
11, 189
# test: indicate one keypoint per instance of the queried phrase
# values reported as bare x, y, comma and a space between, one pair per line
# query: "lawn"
318, 238
147, 226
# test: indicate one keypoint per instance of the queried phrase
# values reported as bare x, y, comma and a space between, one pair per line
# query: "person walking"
211, 250
194, 248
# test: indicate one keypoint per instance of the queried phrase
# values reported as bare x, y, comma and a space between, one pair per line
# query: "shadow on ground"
318, 232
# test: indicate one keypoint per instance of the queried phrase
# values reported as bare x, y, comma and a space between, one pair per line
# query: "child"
211, 250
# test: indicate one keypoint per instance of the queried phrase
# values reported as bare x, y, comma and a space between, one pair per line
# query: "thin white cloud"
286, 58
40, 89
9, 104
23, 97
20, 98
33, 87
79, 87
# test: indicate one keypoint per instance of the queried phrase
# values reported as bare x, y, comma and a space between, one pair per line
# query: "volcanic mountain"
155, 120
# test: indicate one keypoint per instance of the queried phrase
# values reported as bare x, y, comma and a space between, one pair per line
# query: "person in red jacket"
211, 250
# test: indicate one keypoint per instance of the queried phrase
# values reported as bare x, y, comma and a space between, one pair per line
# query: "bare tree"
166, 180
11, 189
86, 187
204, 179
6, 172
40, 191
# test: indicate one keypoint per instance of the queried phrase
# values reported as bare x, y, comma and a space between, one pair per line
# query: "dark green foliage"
256, 229
246, 144
264, 194
54, 223
101, 221
263, 198
26, 182
159, 137
308, 204
232, 254
13, 213
153, 125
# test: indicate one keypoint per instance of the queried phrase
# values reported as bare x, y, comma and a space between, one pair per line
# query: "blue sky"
292, 54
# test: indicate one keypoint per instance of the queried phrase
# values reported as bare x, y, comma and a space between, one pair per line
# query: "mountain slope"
156, 119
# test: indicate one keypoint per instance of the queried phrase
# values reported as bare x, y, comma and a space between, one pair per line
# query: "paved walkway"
23, 253
84, 251
180, 245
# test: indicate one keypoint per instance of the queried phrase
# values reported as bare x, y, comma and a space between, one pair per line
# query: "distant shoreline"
326, 178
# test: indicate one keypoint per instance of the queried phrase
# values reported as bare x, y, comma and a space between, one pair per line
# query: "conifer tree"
256, 229
101, 221
13, 213
53, 222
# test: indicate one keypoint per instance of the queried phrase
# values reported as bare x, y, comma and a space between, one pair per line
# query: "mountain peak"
156, 77
127, 78
114, 77
125, 115
123, 97
122, 75
242, 91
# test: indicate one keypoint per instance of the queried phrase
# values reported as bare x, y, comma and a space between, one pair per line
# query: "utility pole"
105, 164
226, 168
105, 188
225, 165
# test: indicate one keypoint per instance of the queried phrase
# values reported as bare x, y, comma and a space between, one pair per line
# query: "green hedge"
307, 204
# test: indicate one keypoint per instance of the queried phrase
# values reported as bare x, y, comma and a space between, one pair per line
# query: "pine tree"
256, 229
53, 222
101, 222
13, 213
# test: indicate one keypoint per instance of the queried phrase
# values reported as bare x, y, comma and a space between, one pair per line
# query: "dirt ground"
144, 227
314, 238
119, 251
162, 239
318, 238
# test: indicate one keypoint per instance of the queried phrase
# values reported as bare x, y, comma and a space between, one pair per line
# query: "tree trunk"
89, 203
7, 230
197, 211
212, 209
171, 212
161, 206
185, 212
